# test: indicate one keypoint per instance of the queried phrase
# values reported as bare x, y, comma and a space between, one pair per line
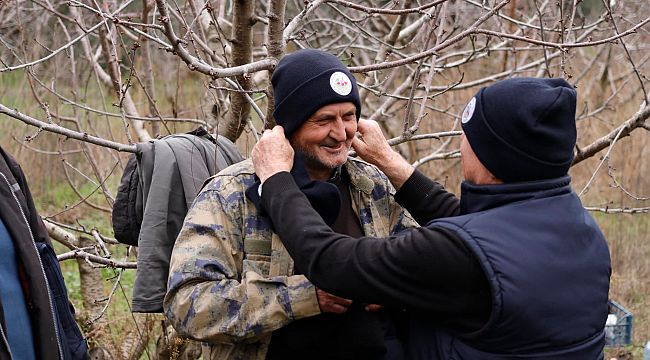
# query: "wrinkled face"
326, 137
473, 169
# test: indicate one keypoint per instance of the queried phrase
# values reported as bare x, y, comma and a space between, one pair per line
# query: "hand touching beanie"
523, 129
306, 80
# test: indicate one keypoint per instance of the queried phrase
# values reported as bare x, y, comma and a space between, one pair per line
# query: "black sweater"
429, 271
356, 334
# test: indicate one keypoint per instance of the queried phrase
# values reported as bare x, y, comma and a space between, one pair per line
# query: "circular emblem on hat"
469, 111
340, 83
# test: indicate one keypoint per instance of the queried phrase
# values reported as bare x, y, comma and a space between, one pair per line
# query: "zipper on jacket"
40, 262
2, 331
4, 338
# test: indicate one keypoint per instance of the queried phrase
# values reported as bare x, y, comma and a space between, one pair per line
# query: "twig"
436, 156
637, 120
81, 229
100, 241
605, 158
644, 210
112, 198
110, 296
617, 184
627, 52
83, 199
78, 254
369, 10
253, 105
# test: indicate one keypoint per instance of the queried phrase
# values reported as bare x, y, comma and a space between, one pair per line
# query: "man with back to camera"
516, 269
232, 284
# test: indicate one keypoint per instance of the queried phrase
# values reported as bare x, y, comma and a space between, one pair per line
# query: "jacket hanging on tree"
157, 188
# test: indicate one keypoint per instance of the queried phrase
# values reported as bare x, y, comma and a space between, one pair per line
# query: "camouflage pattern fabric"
231, 280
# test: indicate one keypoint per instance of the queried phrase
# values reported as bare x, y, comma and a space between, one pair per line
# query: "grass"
13, 92
629, 240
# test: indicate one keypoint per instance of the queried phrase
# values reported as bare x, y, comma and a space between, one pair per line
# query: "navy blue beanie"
523, 129
306, 80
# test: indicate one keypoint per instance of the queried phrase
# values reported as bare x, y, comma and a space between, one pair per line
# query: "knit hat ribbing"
523, 129
306, 80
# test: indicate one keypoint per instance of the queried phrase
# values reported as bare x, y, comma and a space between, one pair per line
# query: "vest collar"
475, 198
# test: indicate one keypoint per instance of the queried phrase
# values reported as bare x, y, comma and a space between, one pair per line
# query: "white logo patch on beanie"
469, 111
341, 83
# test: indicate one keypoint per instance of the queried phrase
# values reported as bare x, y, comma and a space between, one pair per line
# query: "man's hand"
332, 303
272, 154
372, 147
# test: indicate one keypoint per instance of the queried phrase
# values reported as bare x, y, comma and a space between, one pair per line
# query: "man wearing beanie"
232, 284
516, 268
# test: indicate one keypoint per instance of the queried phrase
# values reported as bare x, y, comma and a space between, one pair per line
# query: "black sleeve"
426, 269
426, 199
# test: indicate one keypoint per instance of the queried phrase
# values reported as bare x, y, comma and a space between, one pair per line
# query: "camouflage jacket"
231, 280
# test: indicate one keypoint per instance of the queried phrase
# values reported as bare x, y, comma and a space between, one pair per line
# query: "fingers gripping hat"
523, 129
306, 80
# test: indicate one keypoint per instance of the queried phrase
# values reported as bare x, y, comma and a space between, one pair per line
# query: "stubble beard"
312, 160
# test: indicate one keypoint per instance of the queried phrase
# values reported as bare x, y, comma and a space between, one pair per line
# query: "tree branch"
195, 64
410, 59
80, 254
636, 121
66, 132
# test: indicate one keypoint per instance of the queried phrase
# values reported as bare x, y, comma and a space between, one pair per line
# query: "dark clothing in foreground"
524, 270
16, 318
25, 227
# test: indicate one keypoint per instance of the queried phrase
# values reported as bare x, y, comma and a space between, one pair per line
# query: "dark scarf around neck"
323, 196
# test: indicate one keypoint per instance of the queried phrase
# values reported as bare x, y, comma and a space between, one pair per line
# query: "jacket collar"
475, 198
358, 177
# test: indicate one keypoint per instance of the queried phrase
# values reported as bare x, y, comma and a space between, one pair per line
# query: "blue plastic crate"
618, 331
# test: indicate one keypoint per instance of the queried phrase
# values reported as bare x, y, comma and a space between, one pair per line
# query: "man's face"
326, 137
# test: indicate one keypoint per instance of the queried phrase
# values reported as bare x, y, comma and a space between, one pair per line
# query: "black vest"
548, 266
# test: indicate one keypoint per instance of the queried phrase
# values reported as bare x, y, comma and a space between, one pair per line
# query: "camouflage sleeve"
211, 296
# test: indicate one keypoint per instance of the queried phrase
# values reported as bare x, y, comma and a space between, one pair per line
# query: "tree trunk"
242, 53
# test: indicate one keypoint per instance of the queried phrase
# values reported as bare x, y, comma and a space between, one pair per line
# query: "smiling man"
232, 284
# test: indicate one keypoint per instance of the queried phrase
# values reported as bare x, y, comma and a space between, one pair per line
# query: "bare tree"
111, 73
